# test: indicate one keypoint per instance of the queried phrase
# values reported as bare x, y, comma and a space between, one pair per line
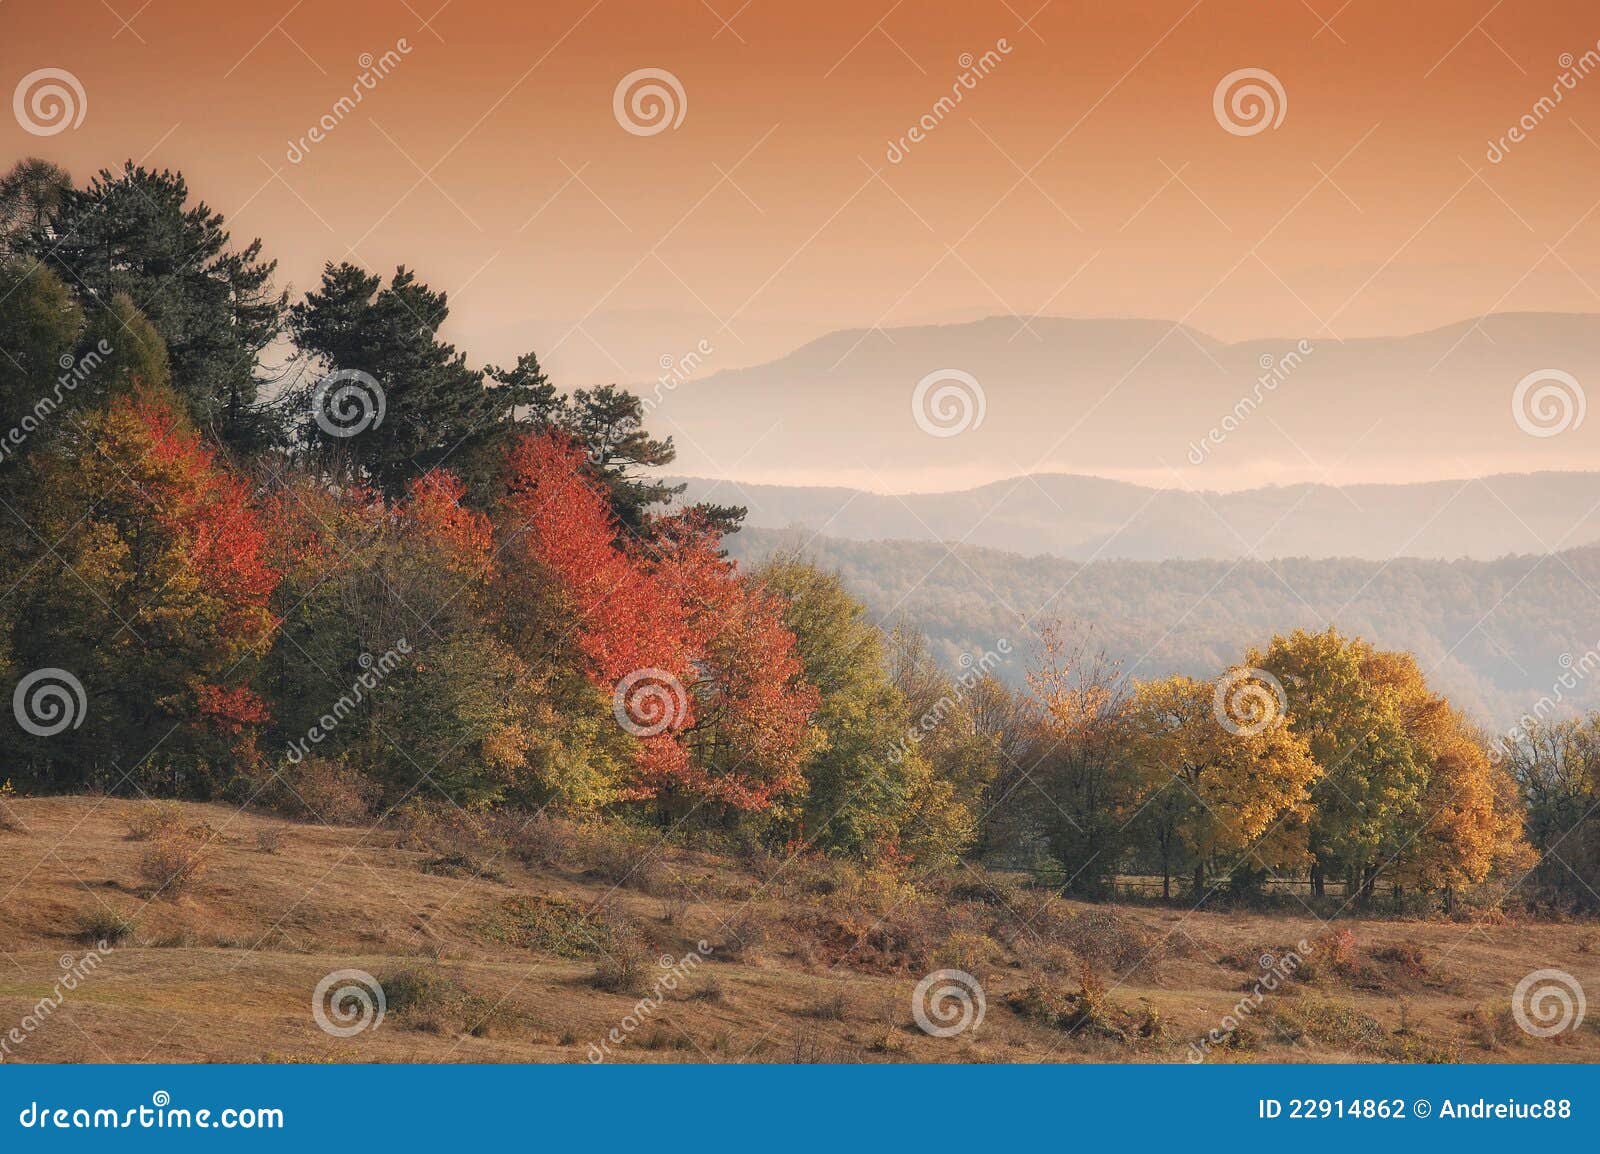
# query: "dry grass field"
534, 944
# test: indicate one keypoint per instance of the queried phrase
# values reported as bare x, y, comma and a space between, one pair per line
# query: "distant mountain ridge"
1148, 401
1089, 517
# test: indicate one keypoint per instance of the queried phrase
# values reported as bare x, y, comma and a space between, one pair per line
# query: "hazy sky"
1085, 174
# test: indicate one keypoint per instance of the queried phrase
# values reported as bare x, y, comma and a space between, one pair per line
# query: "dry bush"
102, 926
625, 965
673, 909
153, 818
1106, 939
549, 924
831, 1006
623, 858
538, 839
327, 792
9, 821
1087, 1012
176, 859
744, 933
429, 999
1494, 1027
269, 839
461, 866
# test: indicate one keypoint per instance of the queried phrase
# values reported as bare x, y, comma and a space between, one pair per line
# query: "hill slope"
477, 966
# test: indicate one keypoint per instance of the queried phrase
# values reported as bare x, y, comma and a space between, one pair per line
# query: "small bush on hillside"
102, 925
429, 999
269, 839
624, 967
327, 792
155, 818
549, 924
9, 822
744, 932
177, 860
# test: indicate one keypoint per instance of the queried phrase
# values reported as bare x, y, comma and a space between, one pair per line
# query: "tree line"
396, 577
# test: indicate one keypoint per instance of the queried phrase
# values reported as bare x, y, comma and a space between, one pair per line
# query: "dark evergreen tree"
216, 308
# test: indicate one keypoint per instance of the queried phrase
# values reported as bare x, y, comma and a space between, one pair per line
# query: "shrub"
1108, 939
154, 818
551, 925
744, 933
328, 792
269, 839
429, 999
176, 860
102, 925
9, 822
626, 961
1088, 1011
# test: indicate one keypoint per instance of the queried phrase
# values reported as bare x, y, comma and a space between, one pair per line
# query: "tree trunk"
1166, 882
1318, 882
1199, 880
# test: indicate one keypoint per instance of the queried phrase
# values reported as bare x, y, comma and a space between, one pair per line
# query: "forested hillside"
1495, 635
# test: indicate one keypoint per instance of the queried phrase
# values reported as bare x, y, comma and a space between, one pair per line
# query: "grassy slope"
225, 973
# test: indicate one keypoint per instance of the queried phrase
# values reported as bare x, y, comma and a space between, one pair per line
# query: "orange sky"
491, 161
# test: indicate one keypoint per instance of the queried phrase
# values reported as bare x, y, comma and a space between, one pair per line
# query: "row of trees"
1319, 756
481, 593
477, 592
